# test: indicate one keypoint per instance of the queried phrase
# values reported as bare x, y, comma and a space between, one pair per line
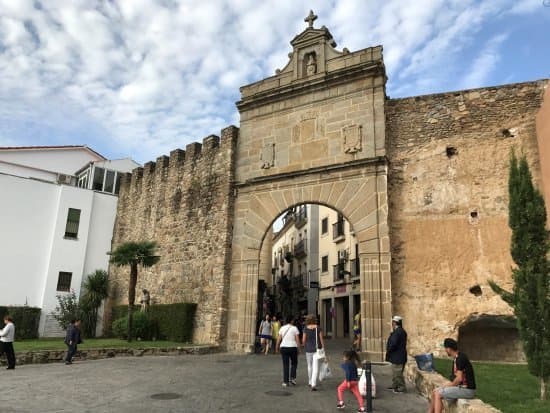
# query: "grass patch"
508, 387
91, 343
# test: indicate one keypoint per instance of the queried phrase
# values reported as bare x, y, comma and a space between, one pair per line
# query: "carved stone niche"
267, 156
352, 138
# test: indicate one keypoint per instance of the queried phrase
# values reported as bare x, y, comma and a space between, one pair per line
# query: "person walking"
7, 337
463, 381
351, 380
275, 327
72, 340
288, 343
265, 332
396, 354
312, 339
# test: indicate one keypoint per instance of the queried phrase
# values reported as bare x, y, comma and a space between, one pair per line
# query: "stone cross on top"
311, 17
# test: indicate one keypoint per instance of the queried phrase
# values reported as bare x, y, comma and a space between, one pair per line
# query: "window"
97, 184
324, 225
324, 263
109, 181
64, 281
117, 183
73, 219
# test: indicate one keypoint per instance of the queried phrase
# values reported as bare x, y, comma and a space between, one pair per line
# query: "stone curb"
425, 382
54, 356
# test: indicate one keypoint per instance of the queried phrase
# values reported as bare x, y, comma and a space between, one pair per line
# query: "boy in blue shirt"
351, 382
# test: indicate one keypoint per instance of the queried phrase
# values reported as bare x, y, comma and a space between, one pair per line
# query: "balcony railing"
354, 268
300, 249
300, 218
338, 273
338, 231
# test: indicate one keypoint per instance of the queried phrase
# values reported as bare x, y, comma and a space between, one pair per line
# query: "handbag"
320, 352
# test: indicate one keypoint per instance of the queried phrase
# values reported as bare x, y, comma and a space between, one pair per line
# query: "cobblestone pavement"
209, 383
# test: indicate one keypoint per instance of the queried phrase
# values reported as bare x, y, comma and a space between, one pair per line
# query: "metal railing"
338, 230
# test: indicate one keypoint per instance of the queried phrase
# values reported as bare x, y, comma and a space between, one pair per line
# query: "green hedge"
174, 321
26, 320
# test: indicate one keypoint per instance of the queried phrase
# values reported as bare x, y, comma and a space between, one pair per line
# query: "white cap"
396, 318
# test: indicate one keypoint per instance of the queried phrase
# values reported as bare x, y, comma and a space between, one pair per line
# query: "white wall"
33, 247
66, 161
27, 211
121, 165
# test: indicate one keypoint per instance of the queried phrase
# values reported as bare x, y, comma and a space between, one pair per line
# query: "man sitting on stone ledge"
463, 382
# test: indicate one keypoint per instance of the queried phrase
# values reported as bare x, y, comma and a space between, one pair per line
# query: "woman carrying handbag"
312, 340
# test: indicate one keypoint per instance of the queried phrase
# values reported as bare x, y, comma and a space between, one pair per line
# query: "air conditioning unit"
343, 255
64, 179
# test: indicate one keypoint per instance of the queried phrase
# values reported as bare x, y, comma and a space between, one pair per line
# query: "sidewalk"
206, 383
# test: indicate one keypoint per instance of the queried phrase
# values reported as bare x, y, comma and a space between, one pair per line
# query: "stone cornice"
375, 161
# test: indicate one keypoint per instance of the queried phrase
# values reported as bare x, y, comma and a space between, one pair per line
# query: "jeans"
398, 381
312, 369
289, 356
71, 350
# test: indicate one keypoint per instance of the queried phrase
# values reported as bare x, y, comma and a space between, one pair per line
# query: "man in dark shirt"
396, 354
463, 382
72, 339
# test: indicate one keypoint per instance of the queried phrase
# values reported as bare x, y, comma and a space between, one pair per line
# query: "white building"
54, 233
316, 251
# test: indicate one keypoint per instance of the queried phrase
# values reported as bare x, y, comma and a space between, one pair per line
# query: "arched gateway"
313, 133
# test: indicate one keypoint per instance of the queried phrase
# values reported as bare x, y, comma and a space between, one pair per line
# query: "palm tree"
96, 289
134, 254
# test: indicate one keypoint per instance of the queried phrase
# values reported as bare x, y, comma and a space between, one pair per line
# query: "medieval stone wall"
185, 203
448, 196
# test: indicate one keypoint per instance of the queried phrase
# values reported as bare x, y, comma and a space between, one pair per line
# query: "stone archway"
314, 136
359, 193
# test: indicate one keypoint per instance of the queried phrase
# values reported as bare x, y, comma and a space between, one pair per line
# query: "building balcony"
300, 218
338, 273
300, 249
338, 233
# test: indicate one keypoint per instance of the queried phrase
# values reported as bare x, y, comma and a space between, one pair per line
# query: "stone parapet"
54, 356
426, 383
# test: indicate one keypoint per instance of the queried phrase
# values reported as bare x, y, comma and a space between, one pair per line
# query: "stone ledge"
426, 382
53, 356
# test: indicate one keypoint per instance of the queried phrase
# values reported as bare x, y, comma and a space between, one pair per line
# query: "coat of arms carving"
352, 138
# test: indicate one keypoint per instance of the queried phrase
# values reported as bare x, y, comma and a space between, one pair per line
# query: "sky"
139, 78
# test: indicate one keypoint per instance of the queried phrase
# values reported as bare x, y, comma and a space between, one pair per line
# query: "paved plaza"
209, 383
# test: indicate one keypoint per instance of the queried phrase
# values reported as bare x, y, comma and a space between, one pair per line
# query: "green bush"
173, 322
26, 320
143, 327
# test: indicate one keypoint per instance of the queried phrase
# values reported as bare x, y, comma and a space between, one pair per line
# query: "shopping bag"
363, 385
324, 371
425, 362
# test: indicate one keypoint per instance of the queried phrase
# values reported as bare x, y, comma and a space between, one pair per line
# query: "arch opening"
486, 337
309, 264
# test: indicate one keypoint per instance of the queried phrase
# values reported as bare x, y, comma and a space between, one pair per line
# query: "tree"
96, 289
67, 309
530, 297
134, 254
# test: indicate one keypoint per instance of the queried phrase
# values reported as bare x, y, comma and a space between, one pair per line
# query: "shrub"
26, 320
171, 321
142, 327
67, 309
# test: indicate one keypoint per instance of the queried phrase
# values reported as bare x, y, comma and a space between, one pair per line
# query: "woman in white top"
288, 343
7, 335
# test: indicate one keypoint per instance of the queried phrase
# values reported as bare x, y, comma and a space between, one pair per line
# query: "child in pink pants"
351, 381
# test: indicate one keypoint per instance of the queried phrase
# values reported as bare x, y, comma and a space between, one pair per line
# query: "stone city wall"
185, 203
448, 194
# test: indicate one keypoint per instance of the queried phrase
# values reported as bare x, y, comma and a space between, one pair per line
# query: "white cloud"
484, 63
153, 75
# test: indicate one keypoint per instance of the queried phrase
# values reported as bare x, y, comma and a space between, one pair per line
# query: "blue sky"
139, 78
